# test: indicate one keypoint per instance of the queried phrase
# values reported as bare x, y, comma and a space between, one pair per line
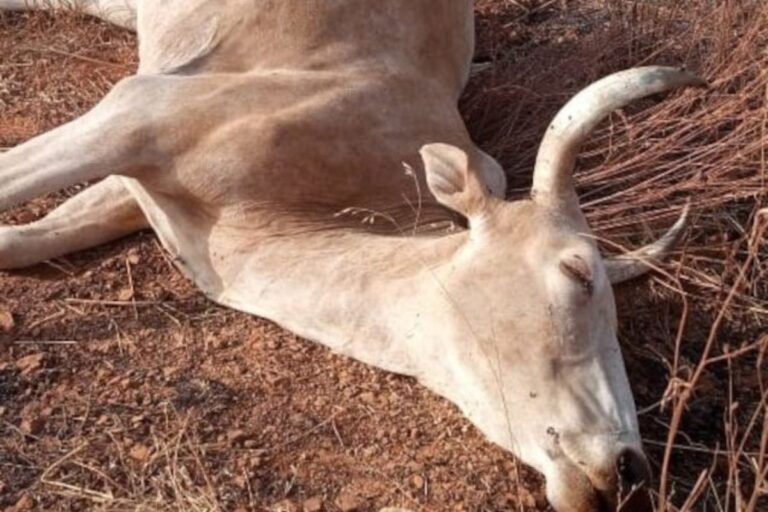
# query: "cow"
305, 161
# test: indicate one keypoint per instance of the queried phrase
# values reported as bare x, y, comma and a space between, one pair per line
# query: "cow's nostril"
632, 468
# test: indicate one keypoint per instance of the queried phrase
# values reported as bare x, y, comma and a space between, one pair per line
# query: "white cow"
264, 142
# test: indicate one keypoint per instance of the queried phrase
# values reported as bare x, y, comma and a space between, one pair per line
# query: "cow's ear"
453, 181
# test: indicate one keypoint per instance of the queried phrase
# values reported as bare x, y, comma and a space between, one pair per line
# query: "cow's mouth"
611, 486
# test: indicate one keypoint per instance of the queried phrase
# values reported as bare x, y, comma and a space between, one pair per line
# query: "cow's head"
526, 313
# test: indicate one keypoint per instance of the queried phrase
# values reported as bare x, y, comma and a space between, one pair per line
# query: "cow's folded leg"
115, 137
118, 12
98, 214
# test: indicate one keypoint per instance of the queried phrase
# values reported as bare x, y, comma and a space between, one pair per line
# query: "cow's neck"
378, 299
360, 294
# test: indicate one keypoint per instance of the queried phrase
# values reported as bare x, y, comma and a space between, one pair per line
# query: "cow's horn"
638, 262
552, 176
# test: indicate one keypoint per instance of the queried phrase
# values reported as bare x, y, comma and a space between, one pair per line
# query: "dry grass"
701, 324
635, 176
710, 148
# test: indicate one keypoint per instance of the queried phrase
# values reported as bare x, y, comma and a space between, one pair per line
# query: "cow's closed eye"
576, 268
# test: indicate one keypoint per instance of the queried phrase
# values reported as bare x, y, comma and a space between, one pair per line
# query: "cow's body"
274, 147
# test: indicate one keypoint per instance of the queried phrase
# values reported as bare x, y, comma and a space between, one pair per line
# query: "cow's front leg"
118, 136
98, 214
118, 12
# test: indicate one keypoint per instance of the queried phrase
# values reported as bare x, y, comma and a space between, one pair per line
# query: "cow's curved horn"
552, 176
638, 262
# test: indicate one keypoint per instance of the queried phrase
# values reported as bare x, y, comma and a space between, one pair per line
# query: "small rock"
24, 503
32, 426
370, 492
348, 502
127, 383
417, 481
241, 481
6, 321
368, 397
139, 452
285, 506
236, 436
30, 363
313, 504
300, 420
526, 498
255, 462
125, 295
395, 509
133, 257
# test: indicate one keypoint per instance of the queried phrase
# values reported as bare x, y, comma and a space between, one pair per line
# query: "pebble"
24, 503
348, 502
30, 363
285, 506
313, 504
139, 452
32, 426
6, 321
236, 436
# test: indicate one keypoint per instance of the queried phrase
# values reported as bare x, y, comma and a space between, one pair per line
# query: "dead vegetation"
708, 327
121, 388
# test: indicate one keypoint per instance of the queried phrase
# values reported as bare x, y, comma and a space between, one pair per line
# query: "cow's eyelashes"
578, 269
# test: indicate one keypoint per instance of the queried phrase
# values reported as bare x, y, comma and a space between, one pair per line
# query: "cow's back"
239, 35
